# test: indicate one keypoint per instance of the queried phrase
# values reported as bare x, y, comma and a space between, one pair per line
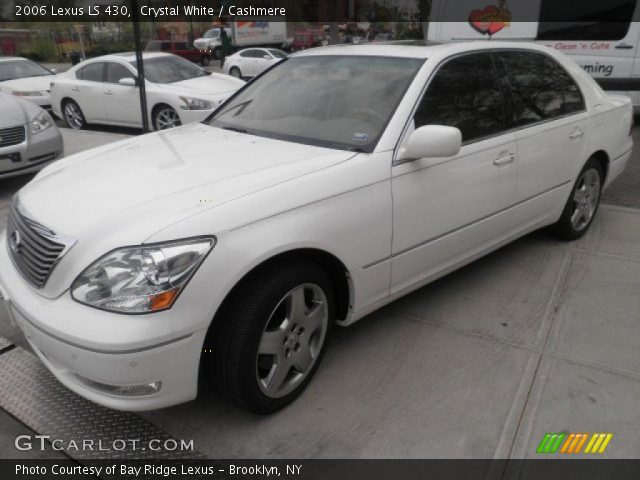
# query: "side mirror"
53, 70
128, 82
432, 141
266, 57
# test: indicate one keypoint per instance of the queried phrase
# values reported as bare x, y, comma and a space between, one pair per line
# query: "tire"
582, 205
206, 60
262, 357
235, 72
73, 115
217, 53
165, 117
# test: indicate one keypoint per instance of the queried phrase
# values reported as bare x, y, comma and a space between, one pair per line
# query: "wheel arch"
603, 159
333, 266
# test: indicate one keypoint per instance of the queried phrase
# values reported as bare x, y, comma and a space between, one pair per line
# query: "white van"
604, 39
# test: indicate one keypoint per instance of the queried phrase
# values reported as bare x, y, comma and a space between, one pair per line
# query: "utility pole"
140, 66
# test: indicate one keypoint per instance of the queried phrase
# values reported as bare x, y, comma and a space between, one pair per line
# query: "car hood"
151, 181
42, 83
12, 112
213, 84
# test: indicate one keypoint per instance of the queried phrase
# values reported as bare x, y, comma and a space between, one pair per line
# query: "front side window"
92, 72
594, 19
170, 69
116, 71
248, 54
335, 101
540, 88
465, 93
12, 69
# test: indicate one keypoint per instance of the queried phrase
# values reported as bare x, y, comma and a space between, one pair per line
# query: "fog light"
123, 390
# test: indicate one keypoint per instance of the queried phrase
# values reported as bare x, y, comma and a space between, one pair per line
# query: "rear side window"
465, 93
599, 19
92, 72
181, 46
540, 88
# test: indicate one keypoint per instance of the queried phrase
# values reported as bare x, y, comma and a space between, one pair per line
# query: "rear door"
550, 121
607, 47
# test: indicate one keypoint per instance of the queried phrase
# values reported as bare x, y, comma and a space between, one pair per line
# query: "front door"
445, 210
122, 102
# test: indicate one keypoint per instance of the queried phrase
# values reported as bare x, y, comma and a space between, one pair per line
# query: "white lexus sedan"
338, 181
104, 90
26, 79
251, 62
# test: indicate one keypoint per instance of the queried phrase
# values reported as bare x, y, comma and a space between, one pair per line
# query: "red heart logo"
490, 20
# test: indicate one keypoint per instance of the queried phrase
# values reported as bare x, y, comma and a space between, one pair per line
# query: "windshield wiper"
235, 129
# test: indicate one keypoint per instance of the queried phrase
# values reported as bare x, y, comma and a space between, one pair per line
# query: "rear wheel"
73, 115
582, 204
271, 335
235, 72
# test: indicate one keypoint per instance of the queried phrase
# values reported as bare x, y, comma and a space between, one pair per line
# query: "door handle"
75, 89
623, 46
507, 159
577, 133
109, 92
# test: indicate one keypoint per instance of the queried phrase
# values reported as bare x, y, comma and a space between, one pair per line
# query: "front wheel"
582, 204
206, 60
165, 117
271, 335
235, 72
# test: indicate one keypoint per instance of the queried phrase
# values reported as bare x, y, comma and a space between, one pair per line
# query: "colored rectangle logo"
574, 443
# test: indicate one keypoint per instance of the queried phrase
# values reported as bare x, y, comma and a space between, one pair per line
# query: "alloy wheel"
167, 118
585, 199
292, 340
73, 115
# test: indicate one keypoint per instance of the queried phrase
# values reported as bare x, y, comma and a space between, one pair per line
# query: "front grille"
34, 249
11, 136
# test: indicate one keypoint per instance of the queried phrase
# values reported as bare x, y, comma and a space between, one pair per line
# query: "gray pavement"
540, 336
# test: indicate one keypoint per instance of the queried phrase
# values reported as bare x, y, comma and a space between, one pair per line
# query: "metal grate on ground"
30, 393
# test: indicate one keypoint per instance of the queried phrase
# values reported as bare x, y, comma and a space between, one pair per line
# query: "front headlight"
40, 123
36, 93
195, 104
141, 279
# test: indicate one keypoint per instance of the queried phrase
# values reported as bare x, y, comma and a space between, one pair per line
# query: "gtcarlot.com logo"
564, 442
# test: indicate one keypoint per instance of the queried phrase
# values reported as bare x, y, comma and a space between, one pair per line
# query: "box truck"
242, 35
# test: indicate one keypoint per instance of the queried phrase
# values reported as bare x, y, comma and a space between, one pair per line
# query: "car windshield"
277, 53
339, 101
12, 69
170, 69
213, 33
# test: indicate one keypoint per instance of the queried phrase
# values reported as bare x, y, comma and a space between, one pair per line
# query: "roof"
6, 59
130, 56
413, 49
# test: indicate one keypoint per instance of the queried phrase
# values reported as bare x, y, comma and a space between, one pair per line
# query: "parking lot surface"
540, 336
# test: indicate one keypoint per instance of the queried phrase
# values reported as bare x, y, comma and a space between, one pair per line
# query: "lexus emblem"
15, 241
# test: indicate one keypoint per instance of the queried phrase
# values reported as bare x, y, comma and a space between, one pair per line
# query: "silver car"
29, 138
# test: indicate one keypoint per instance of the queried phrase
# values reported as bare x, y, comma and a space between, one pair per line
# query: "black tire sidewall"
235, 69
267, 290
564, 227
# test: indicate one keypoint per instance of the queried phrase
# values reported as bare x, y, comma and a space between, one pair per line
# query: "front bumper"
33, 154
90, 368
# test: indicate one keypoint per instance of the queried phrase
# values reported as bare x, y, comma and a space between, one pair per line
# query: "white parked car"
104, 90
340, 180
251, 62
26, 79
